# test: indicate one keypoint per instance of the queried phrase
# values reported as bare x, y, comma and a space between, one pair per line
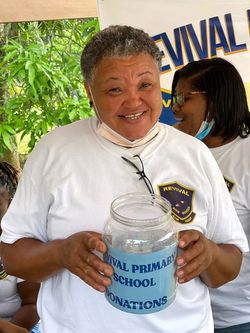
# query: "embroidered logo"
181, 199
230, 184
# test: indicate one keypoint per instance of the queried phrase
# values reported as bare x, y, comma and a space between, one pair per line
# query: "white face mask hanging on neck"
108, 133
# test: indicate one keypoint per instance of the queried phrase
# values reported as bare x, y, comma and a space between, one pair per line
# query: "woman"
75, 172
17, 297
209, 102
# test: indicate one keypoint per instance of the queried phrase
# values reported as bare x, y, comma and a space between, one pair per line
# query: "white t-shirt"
231, 302
67, 186
10, 300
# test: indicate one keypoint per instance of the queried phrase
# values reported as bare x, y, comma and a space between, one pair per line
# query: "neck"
217, 141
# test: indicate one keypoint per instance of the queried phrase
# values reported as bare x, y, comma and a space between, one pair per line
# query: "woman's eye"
116, 90
146, 85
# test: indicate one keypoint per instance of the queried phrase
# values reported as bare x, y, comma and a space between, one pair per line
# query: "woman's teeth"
134, 116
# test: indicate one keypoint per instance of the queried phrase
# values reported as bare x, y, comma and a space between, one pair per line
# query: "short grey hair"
117, 41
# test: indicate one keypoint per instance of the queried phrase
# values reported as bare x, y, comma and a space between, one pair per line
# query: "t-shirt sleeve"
26, 216
223, 225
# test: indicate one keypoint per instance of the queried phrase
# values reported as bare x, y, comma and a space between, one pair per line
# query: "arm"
7, 327
215, 264
37, 261
27, 316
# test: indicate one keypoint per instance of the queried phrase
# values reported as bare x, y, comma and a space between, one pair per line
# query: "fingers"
190, 268
80, 258
187, 237
195, 257
93, 241
94, 271
93, 278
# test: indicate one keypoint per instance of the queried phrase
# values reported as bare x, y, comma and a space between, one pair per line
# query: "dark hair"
8, 178
117, 40
225, 94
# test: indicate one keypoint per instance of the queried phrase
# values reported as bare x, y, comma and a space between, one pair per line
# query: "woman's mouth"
133, 116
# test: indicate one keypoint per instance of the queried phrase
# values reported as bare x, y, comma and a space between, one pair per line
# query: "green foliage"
41, 85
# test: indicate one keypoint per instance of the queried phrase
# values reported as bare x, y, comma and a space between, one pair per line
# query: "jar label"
142, 283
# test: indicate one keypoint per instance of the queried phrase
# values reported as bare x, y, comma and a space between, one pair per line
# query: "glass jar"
141, 247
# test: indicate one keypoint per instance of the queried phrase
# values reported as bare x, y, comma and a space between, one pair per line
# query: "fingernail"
180, 261
181, 244
108, 271
108, 282
179, 273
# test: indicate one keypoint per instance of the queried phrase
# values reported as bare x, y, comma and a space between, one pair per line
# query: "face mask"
108, 133
205, 129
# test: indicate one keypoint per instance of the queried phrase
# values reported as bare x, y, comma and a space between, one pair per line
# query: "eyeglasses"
141, 172
179, 99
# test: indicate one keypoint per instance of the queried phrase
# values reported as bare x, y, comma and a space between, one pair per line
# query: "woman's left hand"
195, 257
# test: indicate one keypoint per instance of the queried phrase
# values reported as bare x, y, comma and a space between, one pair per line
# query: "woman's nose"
132, 99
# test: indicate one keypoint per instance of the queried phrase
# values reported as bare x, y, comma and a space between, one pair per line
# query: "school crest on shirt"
230, 184
181, 199
3, 274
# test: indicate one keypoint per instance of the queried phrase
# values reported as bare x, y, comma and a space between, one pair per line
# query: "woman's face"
126, 94
191, 114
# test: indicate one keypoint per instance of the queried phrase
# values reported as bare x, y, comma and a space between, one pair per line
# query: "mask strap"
92, 104
205, 129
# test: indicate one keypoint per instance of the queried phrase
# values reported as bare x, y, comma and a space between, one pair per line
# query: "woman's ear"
87, 88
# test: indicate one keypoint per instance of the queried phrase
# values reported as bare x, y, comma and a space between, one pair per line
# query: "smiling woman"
125, 92
123, 83
57, 217
221, 118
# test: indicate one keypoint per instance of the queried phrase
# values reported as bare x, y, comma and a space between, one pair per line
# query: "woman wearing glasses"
209, 102
75, 172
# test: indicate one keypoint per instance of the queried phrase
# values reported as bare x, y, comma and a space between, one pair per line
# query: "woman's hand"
26, 316
37, 261
78, 257
215, 264
195, 257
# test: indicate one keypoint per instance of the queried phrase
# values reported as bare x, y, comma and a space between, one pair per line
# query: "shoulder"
185, 142
190, 152
66, 133
62, 137
59, 145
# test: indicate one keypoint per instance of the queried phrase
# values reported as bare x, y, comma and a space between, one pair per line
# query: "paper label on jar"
142, 283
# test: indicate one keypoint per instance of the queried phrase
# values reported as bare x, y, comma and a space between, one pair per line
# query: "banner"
187, 30
30, 10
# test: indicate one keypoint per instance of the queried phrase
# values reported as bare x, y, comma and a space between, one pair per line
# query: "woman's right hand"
78, 257
7, 327
37, 261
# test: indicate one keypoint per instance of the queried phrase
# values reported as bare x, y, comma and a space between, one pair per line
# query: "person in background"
57, 216
17, 297
209, 102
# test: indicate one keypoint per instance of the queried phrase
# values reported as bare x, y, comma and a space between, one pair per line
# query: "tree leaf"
32, 74
6, 140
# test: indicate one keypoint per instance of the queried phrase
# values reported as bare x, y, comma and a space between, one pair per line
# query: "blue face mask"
204, 129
